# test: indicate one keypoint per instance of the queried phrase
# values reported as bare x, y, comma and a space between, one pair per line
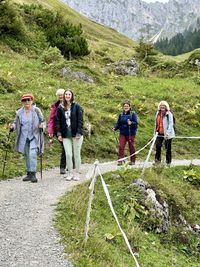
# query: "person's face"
162, 107
27, 103
126, 107
68, 96
60, 97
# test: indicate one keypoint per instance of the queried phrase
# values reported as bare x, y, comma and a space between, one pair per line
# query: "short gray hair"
60, 91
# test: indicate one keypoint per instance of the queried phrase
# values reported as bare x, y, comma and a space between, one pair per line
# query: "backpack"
174, 120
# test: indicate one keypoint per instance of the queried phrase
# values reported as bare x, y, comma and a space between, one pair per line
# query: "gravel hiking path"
27, 235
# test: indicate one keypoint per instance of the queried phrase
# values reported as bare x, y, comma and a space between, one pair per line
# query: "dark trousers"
168, 148
62, 158
122, 143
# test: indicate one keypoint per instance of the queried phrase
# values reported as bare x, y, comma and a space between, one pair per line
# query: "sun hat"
27, 96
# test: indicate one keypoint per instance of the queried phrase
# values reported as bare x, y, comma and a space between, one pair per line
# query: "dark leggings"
168, 147
62, 158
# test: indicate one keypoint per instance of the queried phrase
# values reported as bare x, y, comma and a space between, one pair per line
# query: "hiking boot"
62, 171
157, 163
120, 163
131, 163
33, 177
27, 178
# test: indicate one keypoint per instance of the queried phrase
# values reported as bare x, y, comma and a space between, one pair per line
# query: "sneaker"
168, 165
69, 177
76, 177
62, 171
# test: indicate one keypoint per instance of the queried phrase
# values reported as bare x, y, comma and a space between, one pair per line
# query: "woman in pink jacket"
52, 127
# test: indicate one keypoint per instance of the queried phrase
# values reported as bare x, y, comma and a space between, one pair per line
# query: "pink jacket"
52, 118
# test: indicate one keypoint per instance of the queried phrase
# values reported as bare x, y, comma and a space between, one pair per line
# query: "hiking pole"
6, 153
117, 142
129, 131
40, 152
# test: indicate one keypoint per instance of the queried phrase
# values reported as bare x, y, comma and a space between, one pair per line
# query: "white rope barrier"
91, 187
187, 137
149, 154
182, 137
92, 184
115, 216
122, 159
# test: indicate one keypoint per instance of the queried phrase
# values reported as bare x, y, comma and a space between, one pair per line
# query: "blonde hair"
164, 103
60, 91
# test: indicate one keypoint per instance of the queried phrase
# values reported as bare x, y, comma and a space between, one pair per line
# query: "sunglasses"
26, 100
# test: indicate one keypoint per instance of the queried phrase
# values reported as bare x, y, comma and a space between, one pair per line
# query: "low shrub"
5, 86
52, 55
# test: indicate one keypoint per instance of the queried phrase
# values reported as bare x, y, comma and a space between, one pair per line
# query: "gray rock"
67, 72
123, 67
161, 210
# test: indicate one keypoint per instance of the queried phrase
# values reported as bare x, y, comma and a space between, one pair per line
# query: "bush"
194, 58
166, 65
5, 86
10, 20
144, 50
58, 31
146, 53
32, 27
51, 56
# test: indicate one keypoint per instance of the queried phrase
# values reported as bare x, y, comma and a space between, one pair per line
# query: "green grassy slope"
94, 31
101, 100
177, 247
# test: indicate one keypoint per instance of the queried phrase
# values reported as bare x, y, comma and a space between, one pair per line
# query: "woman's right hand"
11, 126
60, 138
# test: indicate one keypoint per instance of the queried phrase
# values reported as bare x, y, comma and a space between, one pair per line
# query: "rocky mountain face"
138, 19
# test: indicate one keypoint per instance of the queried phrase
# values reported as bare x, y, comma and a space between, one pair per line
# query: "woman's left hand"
40, 126
129, 122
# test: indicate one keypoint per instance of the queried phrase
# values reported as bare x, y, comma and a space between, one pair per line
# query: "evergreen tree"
180, 43
11, 22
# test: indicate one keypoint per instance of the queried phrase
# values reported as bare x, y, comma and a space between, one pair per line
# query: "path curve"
27, 236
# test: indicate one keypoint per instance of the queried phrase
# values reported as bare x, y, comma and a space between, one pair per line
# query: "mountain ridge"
138, 19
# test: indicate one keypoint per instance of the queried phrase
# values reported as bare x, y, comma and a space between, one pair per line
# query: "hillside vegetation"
27, 69
177, 247
31, 63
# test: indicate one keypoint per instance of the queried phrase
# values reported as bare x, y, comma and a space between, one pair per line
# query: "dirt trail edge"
27, 236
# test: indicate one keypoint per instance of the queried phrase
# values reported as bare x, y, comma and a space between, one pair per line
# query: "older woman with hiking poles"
28, 123
127, 124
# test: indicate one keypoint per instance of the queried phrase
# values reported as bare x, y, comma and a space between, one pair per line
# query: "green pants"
72, 146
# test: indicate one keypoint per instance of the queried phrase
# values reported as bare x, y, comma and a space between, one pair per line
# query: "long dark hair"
64, 100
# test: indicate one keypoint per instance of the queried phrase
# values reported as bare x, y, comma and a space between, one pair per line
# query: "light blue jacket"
37, 118
168, 124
